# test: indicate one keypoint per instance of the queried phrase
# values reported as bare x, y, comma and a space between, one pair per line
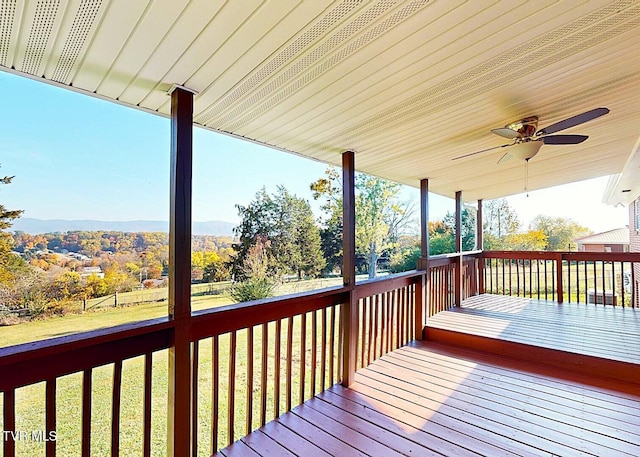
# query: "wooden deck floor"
429, 399
601, 340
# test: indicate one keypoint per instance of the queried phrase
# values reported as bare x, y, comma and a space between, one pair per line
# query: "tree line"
278, 238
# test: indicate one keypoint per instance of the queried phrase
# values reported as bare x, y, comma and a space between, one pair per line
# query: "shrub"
252, 289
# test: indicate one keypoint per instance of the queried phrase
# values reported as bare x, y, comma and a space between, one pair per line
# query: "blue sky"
78, 157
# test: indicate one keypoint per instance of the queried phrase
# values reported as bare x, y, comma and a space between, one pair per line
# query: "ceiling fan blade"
480, 152
573, 121
564, 139
506, 133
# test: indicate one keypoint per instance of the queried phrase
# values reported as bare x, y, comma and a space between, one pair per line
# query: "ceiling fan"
527, 140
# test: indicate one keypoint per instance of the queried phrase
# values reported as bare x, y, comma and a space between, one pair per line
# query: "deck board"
601, 331
430, 399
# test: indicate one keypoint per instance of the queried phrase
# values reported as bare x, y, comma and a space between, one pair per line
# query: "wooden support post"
480, 247
350, 309
422, 287
458, 271
424, 218
180, 363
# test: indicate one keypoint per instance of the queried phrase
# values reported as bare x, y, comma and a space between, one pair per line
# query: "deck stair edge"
590, 365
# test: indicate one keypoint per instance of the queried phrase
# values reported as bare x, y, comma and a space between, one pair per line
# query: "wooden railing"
266, 358
387, 315
446, 288
251, 362
585, 277
52, 361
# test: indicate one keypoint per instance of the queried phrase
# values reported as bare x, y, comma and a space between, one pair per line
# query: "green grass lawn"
30, 400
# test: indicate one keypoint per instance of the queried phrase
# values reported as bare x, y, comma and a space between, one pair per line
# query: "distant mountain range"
35, 226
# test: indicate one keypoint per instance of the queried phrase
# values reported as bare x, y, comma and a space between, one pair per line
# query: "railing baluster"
398, 317
146, 434
215, 392
50, 413
634, 292
376, 303
491, 275
373, 327
363, 327
289, 371
553, 280
264, 373
115, 411
332, 338
249, 406
595, 283
314, 349
386, 317
86, 413
622, 291
195, 357
340, 345
613, 283
232, 389
604, 285
323, 356
530, 278
276, 369
405, 308
569, 280
303, 356
9, 421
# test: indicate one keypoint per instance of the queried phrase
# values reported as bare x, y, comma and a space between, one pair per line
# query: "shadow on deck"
431, 398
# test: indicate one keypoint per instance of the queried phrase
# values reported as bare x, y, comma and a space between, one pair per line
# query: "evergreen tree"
286, 221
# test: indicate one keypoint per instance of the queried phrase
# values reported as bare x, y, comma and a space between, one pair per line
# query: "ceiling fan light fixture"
525, 150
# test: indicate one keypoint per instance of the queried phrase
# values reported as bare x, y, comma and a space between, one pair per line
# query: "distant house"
610, 241
90, 271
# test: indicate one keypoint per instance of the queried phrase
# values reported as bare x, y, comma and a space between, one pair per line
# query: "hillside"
36, 226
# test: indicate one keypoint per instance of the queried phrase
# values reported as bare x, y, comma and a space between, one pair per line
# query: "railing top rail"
455, 255
90, 338
42, 360
387, 283
565, 255
447, 259
216, 321
606, 256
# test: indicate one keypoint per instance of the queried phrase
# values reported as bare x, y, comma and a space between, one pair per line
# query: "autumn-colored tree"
561, 233
533, 240
11, 265
381, 216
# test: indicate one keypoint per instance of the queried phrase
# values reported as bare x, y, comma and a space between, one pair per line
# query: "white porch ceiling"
408, 85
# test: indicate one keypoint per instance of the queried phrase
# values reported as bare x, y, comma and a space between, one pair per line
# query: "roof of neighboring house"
616, 236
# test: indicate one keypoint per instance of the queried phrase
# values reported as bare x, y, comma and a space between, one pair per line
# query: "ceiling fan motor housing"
525, 127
